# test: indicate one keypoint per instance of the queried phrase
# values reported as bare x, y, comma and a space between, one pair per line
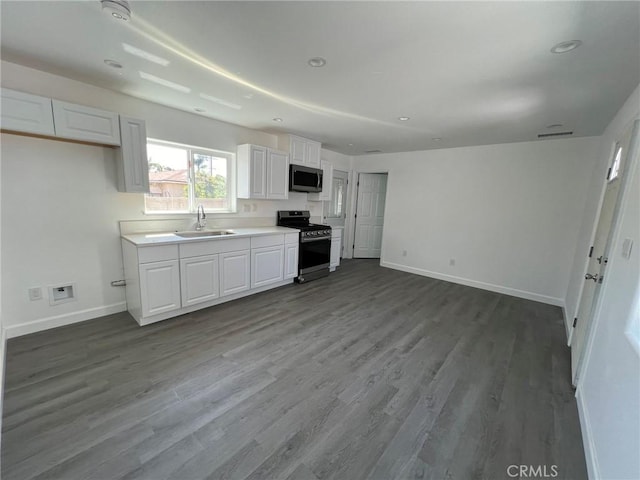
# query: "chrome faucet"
202, 222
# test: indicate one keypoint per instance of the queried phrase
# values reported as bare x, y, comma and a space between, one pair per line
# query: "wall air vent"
373, 151
556, 134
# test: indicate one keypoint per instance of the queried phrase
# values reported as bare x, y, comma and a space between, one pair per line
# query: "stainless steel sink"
205, 233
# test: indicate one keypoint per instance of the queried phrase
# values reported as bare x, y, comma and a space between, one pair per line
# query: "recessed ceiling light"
138, 52
113, 63
436, 139
277, 119
317, 62
200, 110
119, 9
554, 125
564, 47
164, 83
248, 96
351, 144
403, 119
235, 106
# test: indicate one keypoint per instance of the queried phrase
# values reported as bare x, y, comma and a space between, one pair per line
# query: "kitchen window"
181, 177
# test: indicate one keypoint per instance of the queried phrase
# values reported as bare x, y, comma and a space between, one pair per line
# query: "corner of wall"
593, 469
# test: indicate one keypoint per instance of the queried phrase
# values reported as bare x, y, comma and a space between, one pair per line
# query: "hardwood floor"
370, 373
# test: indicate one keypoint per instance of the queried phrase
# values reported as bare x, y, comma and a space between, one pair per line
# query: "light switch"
627, 244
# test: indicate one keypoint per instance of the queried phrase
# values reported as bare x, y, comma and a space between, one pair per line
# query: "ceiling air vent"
373, 151
556, 134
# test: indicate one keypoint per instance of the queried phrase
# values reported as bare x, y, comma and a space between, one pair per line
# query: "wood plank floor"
370, 373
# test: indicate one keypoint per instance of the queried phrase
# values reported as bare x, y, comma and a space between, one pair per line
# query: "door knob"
593, 277
601, 259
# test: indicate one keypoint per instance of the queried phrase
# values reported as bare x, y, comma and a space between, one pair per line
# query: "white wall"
608, 391
593, 202
60, 206
3, 338
508, 214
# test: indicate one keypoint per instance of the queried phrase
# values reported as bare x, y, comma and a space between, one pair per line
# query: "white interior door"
336, 208
597, 262
372, 191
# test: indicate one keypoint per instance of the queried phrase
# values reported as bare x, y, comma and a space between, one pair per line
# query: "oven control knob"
327, 232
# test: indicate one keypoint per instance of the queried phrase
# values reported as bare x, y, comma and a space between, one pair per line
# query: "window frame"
192, 201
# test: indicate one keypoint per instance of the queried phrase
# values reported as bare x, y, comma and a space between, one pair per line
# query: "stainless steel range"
315, 244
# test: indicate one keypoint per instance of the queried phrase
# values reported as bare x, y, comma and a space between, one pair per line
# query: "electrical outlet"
35, 293
452, 262
404, 253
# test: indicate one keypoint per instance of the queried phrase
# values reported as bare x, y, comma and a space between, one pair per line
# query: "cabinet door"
199, 279
327, 182
312, 154
258, 172
335, 253
234, 272
291, 261
133, 167
88, 124
159, 287
277, 175
23, 112
297, 149
267, 265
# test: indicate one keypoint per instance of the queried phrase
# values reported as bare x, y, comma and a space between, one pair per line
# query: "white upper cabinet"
277, 175
301, 150
263, 173
23, 112
88, 124
133, 168
297, 149
312, 153
327, 182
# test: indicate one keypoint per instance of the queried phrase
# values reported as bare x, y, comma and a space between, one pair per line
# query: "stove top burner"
300, 219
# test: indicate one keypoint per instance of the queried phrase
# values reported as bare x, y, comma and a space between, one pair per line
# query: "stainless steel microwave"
304, 179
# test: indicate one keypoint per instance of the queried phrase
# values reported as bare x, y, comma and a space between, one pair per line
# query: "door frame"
350, 221
346, 200
634, 154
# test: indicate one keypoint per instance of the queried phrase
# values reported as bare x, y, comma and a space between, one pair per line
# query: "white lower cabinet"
199, 279
159, 287
163, 281
291, 260
234, 272
336, 249
267, 265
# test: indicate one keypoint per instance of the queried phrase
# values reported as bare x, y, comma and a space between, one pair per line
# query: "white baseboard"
559, 302
61, 320
593, 470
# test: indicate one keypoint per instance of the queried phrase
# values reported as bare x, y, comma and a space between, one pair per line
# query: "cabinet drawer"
267, 240
212, 247
157, 253
290, 238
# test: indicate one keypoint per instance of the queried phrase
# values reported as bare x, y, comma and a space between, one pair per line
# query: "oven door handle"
315, 239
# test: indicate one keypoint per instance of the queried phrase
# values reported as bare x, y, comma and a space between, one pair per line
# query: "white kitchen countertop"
168, 238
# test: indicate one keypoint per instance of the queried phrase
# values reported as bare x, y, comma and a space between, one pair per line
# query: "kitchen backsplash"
251, 213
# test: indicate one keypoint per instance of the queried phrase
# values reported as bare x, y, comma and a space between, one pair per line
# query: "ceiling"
466, 73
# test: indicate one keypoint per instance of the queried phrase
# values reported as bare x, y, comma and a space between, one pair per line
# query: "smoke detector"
118, 9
